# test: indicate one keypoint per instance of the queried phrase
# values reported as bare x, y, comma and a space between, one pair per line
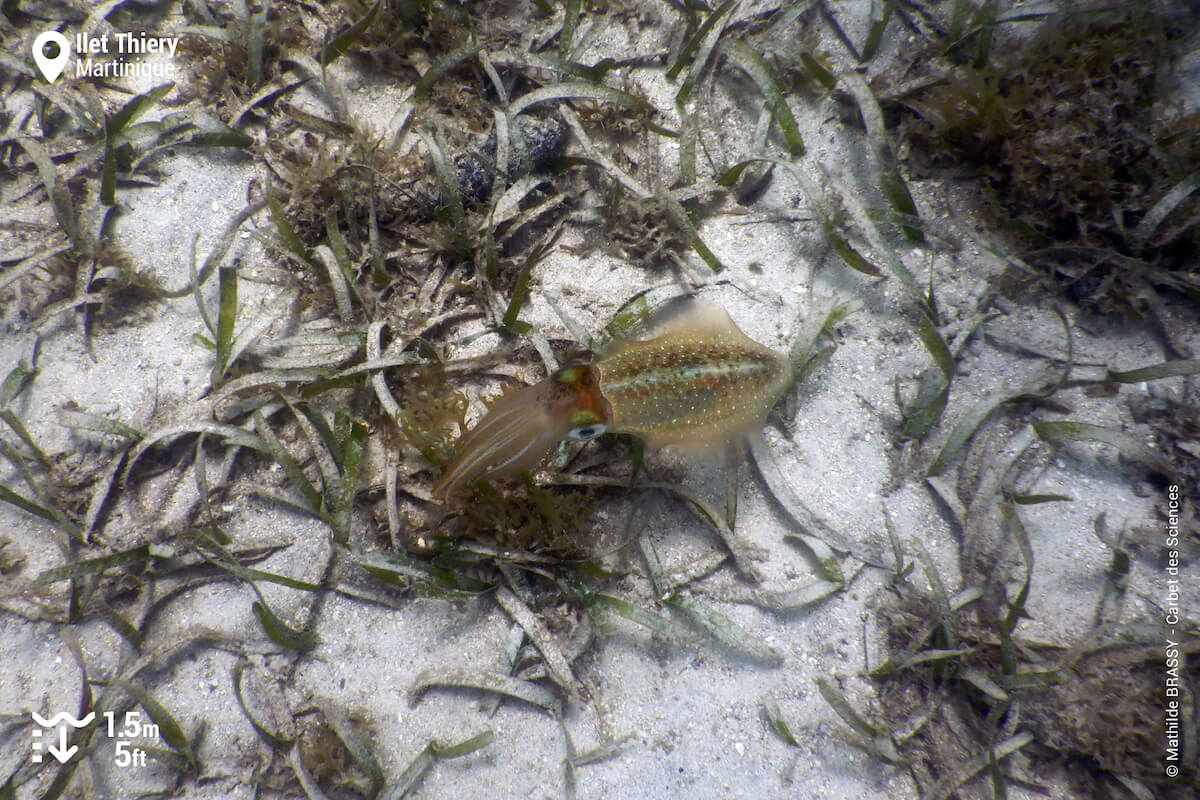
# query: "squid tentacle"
514, 435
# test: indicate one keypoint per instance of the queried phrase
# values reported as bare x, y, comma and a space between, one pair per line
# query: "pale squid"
695, 383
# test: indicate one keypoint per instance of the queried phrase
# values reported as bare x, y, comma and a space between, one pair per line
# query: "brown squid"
697, 382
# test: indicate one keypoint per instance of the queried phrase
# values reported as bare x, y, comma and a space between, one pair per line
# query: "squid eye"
585, 432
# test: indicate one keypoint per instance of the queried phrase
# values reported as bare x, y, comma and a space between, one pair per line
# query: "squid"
698, 382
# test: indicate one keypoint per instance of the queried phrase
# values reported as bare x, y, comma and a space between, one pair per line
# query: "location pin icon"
51, 66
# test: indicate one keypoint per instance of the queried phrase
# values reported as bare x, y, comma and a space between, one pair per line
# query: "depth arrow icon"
62, 752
